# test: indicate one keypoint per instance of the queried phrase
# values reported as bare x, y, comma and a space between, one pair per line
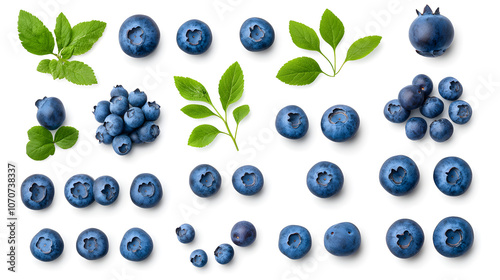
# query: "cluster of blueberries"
417, 95
139, 36
128, 118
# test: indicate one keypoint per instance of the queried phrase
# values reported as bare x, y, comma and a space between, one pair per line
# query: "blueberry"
134, 136
460, 112
224, 253
137, 98
148, 132
103, 136
431, 34
146, 190
113, 125
441, 130
410, 97
205, 180
101, 111
106, 190
139, 36
416, 128
450, 88
424, 84
119, 91
294, 241
134, 117
194, 37
37, 192
452, 176
198, 258
404, 238
185, 233
291, 122
243, 234
151, 111
432, 107
342, 239
256, 34
92, 244
340, 123
453, 237
136, 245
122, 144
248, 180
127, 129
399, 175
394, 112
118, 105
325, 179
47, 245
51, 113
79, 190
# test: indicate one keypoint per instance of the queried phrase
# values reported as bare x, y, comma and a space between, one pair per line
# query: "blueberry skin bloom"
106, 190
79, 190
256, 34
118, 90
399, 175
404, 238
118, 105
194, 37
432, 107
325, 179
137, 98
151, 111
103, 136
243, 234
185, 233
198, 258
294, 241
92, 244
224, 253
146, 190
416, 128
248, 180
424, 84
122, 144
134, 117
51, 113
410, 97
37, 192
47, 245
342, 239
139, 36
114, 125
394, 112
101, 111
441, 130
291, 122
148, 132
136, 245
452, 176
340, 123
460, 112
453, 237
450, 88
205, 180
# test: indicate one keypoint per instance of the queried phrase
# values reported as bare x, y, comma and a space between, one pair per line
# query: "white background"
365, 85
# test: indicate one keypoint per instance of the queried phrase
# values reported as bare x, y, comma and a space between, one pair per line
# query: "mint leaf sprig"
41, 144
71, 41
304, 70
230, 91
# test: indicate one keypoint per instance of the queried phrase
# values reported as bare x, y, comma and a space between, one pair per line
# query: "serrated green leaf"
231, 85
203, 135
57, 69
331, 28
67, 52
299, 71
41, 143
40, 134
240, 113
79, 73
191, 90
66, 137
196, 111
35, 37
85, 34
362, 47
44, 67
62, 31
304, 36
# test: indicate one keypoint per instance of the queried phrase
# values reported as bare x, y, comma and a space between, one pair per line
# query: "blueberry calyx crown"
428, 11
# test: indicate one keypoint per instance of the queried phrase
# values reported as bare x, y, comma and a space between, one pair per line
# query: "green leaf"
197, 111
62, 31
57, 69
240, 113
362, 47
41, 145
85, 34
331, 28
299, 71
35, 37
79, 73
304, 36
231, 85
191, 90
203, 135
66, 137
40, 134
67, 53
43, 66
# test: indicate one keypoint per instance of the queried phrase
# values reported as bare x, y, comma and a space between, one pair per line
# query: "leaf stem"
330, 64
227, 126
341, 67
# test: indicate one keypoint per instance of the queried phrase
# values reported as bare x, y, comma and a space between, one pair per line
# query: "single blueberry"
256, 34
122, 144
134, 117
92, 244
47, 245
136, 245
137, 98
134, 136
198, 258
139, 36
79, 190
450, 88
194, 37
453, 237
325, 179
248, 180
342, 239
51, 113
113, 124
118, 91
416, 128
151, 111
424, 84
340, 123
224, 253
394, 112
399, 175
410, 97
432, 107
441, 130
101, 111
146, 190
118, 105
243, 234
185, 233
404, 238
103, 136
452, 176
294, 241
37, 192
460, 112
148, 132
291, 122
106, 190
205, 180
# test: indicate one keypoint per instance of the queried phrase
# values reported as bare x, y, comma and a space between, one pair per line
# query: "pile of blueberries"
128, 118
417, 96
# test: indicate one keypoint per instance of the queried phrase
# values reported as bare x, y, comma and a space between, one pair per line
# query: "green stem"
340, 67
330, 65
334, 61
227, 126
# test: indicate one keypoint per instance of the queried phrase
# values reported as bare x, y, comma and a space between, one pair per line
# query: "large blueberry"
92, 244
118, 90
224, 253
134, 117
441, 130
432, 107
146, 190
194, 37
460, 112
394, 112
148, 132
118, 105
122, 144
51, 113
340, 123
452, 176
424, 84
106, 190
79, 190
151, 111
342, 239
410, 97
294, 241
291, 122
198, 258
139, 36
185, 233
248, 180
325, 179
399, 175
450, 88
37, 192
136, 245
101, 111
205, 180
256, 34
416, 128
137, 98
103, 136
113, 125
404, 238
453, 237
243, 234
47, 245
